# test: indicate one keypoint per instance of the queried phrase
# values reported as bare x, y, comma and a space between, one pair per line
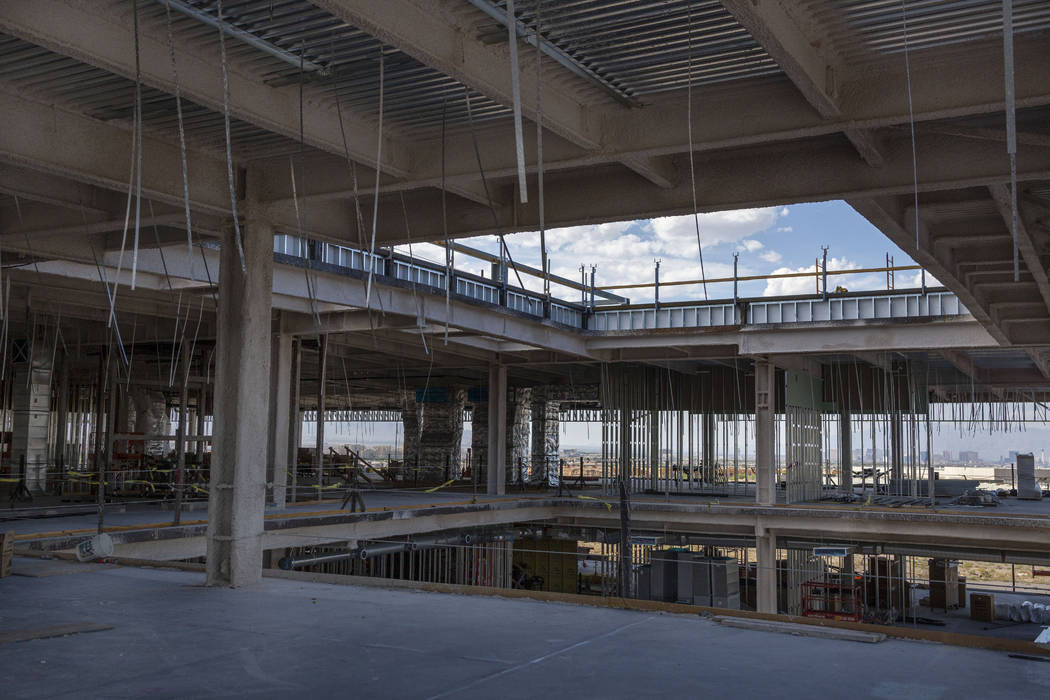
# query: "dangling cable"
539, 158
449, 251
229, 147
415, 299
352, 167
300, 210
302, 237
515, 89
689, 130
182, 144
127, 218
138, 137
1011, 122
911, 123
375, 199
504, 248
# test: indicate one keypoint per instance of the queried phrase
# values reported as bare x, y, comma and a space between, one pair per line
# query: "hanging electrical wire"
1011, 123
544, 266
138, 149
911, 125
515, 89
182, 142
450, 253
504, 249
689, 131
375, 198
229, 146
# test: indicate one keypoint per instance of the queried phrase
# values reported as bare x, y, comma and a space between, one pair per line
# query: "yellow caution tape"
438, 488
10, 480
592, 498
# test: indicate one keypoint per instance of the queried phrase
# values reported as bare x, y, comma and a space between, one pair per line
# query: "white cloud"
771, 256
806, 284
784, 211
716, 228
785, 229
914, 281
750, 245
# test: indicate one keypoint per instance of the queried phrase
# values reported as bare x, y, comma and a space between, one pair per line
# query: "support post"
654, 450
180, 437
708, 457
322, 376
766, 549
897, 449
496, 477
545, 435
237, 490
845, 452
295, 418
765, 407
280, 416
100, 467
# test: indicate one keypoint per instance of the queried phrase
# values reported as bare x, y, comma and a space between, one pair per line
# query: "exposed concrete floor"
958, 620
120, 515
171, 637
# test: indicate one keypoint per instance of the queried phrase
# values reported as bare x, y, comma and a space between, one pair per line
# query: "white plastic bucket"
98, 546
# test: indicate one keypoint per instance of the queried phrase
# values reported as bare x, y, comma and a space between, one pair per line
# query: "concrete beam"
44, 188
1025, 243
809, 63
434, 32
48, 139
888, 215
102, 37
965, 365
802, 172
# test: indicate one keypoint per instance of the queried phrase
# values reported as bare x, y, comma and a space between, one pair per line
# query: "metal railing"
855, 308
888, 305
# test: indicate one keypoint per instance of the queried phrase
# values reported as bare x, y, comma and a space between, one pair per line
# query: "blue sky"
767, 240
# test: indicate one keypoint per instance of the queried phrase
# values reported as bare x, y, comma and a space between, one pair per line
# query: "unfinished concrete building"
207, 210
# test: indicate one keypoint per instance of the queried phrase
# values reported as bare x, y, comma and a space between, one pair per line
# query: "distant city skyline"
587, 437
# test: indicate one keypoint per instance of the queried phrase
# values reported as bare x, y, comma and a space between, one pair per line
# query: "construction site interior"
309, 380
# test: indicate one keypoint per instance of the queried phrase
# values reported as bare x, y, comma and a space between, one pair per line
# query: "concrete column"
545, 436
322, 392
410, 453
479, 440
845, 452
497, 448
654, 450
242, 356
765, 407
896, 449
60, 458
295, 417
280, 416
442, 433
625, 445
31, 412
202, 412
519, 417
708, 446
766, 549
151, 418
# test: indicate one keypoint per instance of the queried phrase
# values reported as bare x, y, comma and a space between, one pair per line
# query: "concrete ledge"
804, 630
